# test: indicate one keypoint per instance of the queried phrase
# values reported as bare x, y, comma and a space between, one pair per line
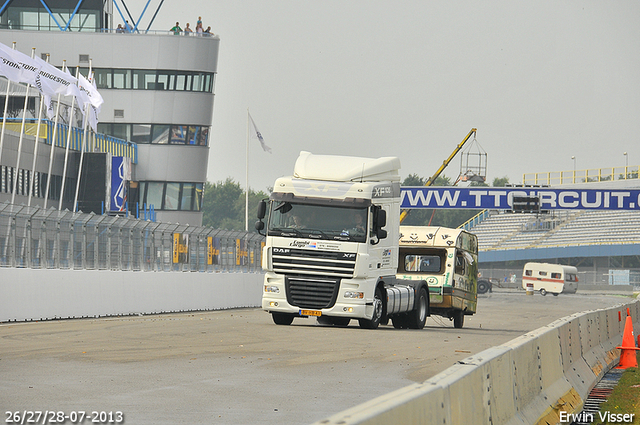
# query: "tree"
224, 204
500, 181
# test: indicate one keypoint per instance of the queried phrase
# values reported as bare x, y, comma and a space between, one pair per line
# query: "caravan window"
542, 273
422, 263
528, 273
556, 276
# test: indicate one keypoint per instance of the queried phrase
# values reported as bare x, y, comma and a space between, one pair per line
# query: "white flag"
12, 59
9, 65
89, 92
93, 110
72, 90
92, 98
50, 80
259, 135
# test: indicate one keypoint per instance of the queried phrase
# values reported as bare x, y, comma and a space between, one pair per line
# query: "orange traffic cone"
628, 355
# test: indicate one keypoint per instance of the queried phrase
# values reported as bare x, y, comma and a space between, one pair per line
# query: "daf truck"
447, 259
331, 248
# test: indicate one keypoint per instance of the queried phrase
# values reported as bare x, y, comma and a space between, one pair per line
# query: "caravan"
552, 278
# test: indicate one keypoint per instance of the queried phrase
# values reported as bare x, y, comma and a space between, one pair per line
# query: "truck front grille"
312, 293
313, 262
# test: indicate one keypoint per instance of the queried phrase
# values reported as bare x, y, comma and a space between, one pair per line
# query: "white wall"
32, 294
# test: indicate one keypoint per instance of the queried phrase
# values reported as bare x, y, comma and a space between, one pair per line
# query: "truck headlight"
352, 294
272, 289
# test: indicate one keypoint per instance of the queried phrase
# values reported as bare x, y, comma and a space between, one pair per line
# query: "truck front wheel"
418, 317
282, 318
378, 311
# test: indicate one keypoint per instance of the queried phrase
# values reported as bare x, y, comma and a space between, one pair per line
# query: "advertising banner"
501, 198
120, 173
213, 250
180, 248
241, 252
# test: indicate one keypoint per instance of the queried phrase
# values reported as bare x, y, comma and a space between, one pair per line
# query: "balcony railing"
96, 142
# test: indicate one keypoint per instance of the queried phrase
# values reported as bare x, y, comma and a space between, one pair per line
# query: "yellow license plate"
310, 313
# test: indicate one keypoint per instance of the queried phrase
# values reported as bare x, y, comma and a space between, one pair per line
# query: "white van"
552, 278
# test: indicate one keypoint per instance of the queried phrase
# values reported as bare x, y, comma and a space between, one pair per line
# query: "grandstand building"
603, 245
158, 91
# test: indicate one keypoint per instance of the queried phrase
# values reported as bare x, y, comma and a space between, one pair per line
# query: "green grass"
625, 398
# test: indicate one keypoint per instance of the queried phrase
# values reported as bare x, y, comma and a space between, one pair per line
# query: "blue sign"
501, 198
118, 183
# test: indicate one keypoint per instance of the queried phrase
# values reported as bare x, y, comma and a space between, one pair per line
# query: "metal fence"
32, 237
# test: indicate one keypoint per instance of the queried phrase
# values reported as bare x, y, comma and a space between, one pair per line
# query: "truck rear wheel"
378, 311
458, 319
483, 286
418, 316
400, 321
282, 318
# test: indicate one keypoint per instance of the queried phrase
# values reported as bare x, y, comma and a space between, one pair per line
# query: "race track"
237, 367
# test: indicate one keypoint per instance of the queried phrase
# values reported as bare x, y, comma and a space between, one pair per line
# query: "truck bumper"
342, 310
274, 299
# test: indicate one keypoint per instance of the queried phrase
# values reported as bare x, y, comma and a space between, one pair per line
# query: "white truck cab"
331, 248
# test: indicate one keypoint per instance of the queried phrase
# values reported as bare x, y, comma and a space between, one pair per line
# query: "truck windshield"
318, 221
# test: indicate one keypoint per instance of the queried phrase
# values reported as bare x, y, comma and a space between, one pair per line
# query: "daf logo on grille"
281, 250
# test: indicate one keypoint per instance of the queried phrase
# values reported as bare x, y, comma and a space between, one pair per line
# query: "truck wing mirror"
379, 221
382, 218
262, 209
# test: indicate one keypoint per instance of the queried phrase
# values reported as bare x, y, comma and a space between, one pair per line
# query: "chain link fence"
32, 237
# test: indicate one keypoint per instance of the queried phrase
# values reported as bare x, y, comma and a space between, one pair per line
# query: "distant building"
158, 90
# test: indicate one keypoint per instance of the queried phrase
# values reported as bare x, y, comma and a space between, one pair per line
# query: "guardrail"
582, 176
32, 237
475, 220
533, 379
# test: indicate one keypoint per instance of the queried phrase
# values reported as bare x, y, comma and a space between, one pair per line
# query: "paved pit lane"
237, 367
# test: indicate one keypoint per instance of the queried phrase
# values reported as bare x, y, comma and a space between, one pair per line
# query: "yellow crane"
446, 162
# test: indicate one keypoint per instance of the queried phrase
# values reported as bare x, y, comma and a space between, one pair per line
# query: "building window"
160, 133
172, 196
151, 79
121, 78
195, 135
141, 133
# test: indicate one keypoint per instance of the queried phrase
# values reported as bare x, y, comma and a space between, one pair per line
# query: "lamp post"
626, 165
574, 168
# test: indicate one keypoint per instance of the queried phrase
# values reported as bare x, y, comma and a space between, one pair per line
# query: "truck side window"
460, 263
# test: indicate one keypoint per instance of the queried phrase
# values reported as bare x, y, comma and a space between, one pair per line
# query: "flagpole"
84, 141
24, 117
53, 141
6, 108
66, 152
35, 147
246, 193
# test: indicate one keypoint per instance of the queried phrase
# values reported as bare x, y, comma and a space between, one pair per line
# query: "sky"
542, 81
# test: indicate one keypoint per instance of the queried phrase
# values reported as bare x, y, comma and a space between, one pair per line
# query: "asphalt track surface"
237, 367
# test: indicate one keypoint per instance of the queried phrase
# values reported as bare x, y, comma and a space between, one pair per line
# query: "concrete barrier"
529, 380
34, 294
